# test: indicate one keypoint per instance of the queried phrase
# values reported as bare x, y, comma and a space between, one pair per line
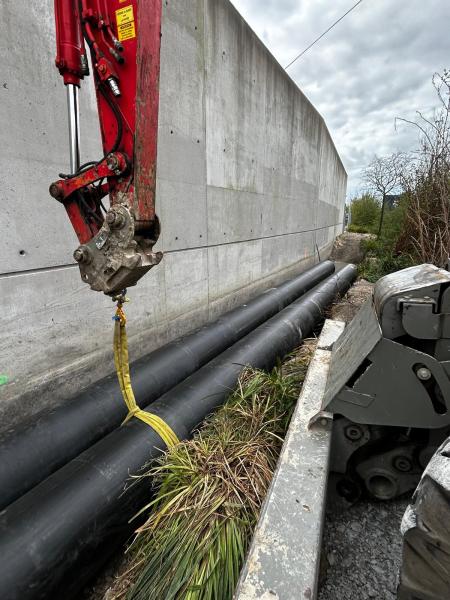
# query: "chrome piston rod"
74, 127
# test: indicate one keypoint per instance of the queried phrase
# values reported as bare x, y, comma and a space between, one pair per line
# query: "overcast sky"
373, 66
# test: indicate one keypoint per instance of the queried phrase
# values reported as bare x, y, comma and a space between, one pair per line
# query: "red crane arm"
123, 38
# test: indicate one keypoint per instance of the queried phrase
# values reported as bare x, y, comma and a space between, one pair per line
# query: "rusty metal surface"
116, 258
283, 561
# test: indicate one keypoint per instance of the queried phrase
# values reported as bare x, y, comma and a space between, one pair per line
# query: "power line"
323, 34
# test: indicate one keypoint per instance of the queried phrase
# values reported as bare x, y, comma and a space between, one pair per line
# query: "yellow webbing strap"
123, 374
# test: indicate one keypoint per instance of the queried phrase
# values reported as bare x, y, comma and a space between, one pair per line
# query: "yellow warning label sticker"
126, 31
124, 15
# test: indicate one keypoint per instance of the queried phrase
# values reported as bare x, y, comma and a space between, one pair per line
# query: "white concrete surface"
249, 182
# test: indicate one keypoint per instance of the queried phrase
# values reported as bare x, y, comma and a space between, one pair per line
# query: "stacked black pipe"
54, 537
34, 451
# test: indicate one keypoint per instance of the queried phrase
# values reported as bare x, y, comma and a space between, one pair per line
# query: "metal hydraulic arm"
123, 39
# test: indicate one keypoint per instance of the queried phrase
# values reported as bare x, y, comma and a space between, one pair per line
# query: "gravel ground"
362, 551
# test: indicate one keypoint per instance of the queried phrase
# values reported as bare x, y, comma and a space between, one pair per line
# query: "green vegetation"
382, 253
358, 229
210, 491
365, 214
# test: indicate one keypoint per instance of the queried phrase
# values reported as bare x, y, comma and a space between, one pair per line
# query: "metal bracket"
420, 319
323, 421
389, 389
113, 165
115, 259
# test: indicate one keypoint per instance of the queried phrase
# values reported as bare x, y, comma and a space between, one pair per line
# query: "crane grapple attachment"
116, 258
392, 364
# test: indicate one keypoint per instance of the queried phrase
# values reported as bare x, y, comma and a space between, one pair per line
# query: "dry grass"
345, 308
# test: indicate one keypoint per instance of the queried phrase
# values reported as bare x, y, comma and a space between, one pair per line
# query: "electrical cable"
82, 168
322, 35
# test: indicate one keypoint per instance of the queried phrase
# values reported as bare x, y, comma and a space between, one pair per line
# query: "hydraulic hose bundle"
56, 536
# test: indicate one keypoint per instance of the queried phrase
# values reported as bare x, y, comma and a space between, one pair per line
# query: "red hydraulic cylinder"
70, 52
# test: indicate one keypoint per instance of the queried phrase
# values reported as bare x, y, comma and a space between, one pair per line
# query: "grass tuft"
210, 490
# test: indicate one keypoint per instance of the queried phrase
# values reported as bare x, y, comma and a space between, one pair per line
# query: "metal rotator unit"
389, 385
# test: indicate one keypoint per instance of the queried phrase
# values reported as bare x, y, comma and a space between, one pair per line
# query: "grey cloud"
374, 66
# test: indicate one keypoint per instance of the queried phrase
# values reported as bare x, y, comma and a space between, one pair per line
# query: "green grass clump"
358, 229
210, 491
382, 257
383, 263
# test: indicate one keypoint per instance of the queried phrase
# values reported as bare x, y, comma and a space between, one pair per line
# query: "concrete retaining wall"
249, 183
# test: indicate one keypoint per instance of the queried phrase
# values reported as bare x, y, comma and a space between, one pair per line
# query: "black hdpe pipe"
30, 453
53, 539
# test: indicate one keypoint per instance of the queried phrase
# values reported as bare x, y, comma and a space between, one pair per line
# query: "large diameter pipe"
55, 537
32, 452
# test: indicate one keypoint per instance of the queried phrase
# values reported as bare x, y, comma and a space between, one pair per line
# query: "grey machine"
389, 391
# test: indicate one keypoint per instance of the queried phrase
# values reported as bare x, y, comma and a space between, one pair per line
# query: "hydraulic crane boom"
123, 38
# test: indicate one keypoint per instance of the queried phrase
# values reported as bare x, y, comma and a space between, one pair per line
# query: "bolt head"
55, 191
423, 374
78, 255
115, 220
110, 217
353, 433
82, 255
402, 464
112, 162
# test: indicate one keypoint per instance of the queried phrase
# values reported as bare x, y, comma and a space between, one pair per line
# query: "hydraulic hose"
56, 536
30, 453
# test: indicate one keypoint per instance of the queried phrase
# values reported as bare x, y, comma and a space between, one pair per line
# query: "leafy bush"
382, 254
394, 222
365, 212
375, 267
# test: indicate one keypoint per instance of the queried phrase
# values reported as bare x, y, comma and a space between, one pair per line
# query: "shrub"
374, 267
365, 213
382, 256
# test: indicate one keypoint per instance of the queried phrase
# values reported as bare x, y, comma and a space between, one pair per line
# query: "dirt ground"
347, 307
347, 247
